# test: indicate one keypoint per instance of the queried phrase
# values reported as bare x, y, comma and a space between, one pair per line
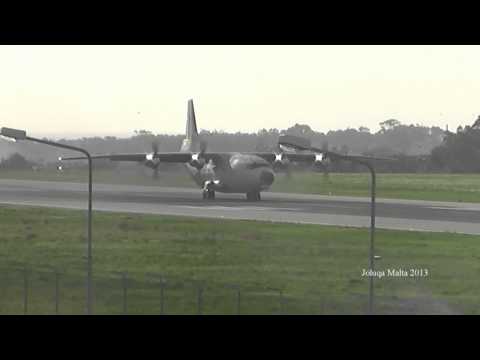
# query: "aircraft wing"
271, 156
221, 158
174, 157
314, 156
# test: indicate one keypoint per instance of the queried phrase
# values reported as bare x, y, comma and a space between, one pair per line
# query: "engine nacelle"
151, 161
320, 159
280, 161
321, 162
197, 161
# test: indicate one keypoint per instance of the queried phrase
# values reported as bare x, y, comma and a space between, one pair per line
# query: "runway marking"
453, 208
241, 208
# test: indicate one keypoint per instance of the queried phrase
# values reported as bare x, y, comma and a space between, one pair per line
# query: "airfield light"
22, 135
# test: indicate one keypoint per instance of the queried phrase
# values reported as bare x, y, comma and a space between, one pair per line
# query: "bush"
16, 161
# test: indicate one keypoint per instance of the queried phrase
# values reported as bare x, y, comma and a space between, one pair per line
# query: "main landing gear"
253, 196
208, 194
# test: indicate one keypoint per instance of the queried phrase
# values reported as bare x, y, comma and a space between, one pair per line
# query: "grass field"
435, 187
317, 268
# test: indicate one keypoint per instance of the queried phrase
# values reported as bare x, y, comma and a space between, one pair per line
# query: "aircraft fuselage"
236, 173
245, 174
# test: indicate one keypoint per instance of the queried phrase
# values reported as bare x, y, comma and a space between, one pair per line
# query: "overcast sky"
72, 91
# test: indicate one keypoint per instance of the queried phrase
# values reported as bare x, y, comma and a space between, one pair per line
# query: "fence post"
281, 302
238, 300
124, 285
162, 289
57, 292
25, 290
200, 299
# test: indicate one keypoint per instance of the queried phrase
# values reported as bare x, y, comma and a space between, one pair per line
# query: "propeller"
322, 163
198, 160
203, 146
155, 147
282, 164
155, 165
150, 160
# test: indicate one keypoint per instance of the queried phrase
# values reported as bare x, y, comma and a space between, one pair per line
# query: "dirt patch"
424, 303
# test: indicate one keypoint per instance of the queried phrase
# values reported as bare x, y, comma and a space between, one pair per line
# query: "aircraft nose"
266, 178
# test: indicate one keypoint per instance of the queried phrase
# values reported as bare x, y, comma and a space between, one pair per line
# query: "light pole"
371, 255
304, 144
22, 135
372, 224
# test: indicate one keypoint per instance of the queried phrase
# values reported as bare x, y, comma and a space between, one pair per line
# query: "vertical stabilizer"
191, 130
191, 143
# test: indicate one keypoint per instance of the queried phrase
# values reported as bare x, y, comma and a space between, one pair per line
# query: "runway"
278, 207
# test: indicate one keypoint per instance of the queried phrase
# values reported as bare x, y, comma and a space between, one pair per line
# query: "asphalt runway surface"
278, 207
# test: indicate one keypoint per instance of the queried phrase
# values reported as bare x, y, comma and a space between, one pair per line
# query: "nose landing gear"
208, 194
253, 196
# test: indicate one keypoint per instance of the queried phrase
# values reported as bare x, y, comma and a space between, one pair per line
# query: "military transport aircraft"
248, 173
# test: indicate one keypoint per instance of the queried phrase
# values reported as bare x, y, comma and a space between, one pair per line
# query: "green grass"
131, 176
435, 187
318, 268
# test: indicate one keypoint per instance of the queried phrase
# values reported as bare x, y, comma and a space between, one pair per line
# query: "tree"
389, 124
142, 132
16, 161
300, 130
476, 124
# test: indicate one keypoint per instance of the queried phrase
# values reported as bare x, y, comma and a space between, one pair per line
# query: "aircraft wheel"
253, 196
208, 194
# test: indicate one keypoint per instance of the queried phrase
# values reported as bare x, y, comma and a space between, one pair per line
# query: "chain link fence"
51, 291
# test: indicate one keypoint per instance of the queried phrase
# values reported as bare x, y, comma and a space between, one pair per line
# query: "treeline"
17, 162
392, 138
459, 152
416, 148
